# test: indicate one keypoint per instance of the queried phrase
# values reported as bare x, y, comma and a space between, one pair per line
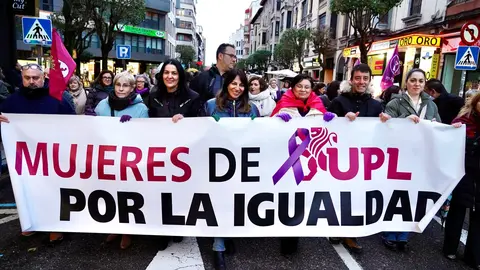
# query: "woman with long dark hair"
231, 101
101, 88
173, 98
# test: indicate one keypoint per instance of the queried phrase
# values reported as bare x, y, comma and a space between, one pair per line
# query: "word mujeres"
95, 160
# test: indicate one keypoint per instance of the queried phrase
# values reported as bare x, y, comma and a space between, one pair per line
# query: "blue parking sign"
37, 31
124, 52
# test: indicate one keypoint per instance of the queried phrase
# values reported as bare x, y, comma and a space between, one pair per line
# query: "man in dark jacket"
448, 105
209, 82
355, 100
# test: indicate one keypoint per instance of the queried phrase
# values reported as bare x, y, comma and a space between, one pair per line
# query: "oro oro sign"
230, 179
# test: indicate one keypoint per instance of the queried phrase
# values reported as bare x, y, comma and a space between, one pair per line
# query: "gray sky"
219, 19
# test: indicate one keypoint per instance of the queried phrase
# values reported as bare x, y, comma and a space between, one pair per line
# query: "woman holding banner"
299, 101
467, 193
231, 101
415, 105
125, 103
172, 99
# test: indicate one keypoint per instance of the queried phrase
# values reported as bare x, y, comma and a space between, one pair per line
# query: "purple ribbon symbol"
293, 161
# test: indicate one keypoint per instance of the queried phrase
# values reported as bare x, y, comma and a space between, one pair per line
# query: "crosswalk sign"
467, 58
37, 31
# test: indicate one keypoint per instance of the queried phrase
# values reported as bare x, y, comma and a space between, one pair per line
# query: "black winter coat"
448, 107
207, 84
172, 104
351, 102
467, 192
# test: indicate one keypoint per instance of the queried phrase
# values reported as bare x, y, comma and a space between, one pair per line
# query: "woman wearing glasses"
125, 103
102, 87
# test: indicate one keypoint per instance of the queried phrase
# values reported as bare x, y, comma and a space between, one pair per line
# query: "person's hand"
384, 117
457, 125
284, 116
177, 117
352, 116
328, 116
216, 117
4, 119
434, 120
125, 118
414, 118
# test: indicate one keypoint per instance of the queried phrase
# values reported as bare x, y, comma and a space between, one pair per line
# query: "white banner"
235, 178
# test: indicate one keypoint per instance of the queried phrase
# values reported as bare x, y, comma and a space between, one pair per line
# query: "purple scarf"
142, 91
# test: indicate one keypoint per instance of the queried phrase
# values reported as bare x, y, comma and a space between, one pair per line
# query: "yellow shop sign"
419, 40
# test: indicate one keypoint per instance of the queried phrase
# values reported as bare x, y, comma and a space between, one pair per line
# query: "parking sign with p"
124, 51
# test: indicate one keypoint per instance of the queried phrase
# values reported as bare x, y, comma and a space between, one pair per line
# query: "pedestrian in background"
101, 89
448, 105
78, 94
260, 97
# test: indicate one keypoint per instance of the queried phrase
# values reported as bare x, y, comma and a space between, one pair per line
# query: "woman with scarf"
125, 103
102, 87
75, 88
299, 101
142, 87
261, 98
415, 105
231, 101
467, 193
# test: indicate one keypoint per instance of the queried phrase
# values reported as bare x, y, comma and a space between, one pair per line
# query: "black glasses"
32, 66
231, 55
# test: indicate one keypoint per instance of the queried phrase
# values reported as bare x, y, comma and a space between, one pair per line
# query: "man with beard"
355, 100
34, 98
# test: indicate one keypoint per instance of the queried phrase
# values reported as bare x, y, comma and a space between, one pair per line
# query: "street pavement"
87, 251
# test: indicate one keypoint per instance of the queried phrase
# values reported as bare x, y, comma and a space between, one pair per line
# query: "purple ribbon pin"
293, 161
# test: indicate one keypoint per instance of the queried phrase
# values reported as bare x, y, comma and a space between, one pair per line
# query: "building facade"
237, 39
201, 44
186, 23
151, 41
248, 27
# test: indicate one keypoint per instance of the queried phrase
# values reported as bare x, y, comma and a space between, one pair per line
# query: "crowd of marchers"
224, 91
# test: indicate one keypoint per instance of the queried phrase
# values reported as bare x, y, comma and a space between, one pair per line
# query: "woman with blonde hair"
467, 193
75, 88
125, 103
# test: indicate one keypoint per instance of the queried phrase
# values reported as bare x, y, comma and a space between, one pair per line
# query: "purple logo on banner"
312, 143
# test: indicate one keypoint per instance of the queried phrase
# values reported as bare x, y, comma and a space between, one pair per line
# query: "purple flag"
391, 70
357, 62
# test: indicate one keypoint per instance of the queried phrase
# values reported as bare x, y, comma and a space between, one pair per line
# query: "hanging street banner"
235, 178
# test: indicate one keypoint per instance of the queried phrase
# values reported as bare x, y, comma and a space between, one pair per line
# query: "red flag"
63, 67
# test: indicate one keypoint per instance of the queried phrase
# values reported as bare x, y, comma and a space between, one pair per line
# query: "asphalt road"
87, 251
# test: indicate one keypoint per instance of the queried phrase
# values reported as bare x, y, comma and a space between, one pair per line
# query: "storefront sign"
143, 31
382, 45
351, 52
375, 62
419, 40
434, 68
312, 179
23, 7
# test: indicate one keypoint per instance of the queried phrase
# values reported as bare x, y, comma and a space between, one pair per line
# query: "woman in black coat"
467, 193
173, 99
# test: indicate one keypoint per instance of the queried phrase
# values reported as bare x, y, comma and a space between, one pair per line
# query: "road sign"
467, 58
470, 33
37, 31
124, 51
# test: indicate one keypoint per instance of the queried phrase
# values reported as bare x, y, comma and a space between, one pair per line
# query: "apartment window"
141, 44
333, 25
322, 20
277, 28
289, 19
134, 43
346, 25
304, 9
295, 18
152, 20
190, 2
384, 19
128, 40
279, 4
281, 21
311, 7
264, 38
47, 5
119, 40
415, 7
185, 25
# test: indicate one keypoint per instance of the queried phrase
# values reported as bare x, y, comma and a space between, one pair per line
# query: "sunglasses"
32, 66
